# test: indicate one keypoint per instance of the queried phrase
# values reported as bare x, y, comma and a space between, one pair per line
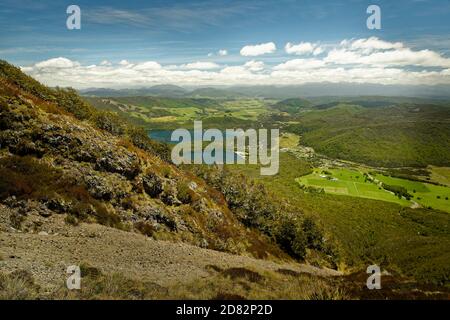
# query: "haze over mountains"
278, 92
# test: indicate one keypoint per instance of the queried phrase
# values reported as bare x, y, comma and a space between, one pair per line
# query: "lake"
165, 135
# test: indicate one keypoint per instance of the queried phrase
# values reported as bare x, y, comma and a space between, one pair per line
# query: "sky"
142, 43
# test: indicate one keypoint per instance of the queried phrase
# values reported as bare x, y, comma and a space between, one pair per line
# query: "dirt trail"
47, 256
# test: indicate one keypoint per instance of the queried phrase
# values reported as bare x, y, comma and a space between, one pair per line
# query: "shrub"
184, 193
140, 139
145, 228
152, 185
312, 233
71, 220
291, 238
110, 122
18, 285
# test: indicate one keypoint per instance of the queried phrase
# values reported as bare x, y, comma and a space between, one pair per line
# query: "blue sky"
184, 32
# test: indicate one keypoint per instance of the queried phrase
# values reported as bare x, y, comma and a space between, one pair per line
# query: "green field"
352, 182
426, 194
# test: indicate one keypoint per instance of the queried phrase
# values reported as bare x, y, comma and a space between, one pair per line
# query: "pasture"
348, 182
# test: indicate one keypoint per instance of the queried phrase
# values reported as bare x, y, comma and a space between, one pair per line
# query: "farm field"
348, 182
352, 182
428, 195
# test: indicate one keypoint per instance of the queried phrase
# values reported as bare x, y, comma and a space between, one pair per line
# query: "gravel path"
48, 253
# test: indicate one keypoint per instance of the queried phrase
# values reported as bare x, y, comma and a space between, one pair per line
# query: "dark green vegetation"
293, 105
401, 135
411, 242
261, 210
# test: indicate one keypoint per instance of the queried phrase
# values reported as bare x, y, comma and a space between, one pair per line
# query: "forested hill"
398, 135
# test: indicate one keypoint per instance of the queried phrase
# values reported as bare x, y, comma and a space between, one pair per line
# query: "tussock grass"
18, 285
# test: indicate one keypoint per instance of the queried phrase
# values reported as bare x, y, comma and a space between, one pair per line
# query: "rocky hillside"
59, 156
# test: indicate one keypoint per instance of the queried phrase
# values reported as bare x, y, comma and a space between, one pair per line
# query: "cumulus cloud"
221, 52
317, 51
303, 48
373, 51
57, 63
369, 60
200, 65
258, 50
373, 43
254, 66
300, 64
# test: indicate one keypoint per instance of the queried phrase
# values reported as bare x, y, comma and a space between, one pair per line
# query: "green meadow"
348, 182
426, 194
352, 182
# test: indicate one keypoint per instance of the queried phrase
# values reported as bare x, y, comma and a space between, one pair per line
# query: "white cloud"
259, 49
254, 66
301, 48
105, 63
221, 52
373, 43
147, 66
57, 63
374, 53
369, 60
300, 64
317, 51
200, 65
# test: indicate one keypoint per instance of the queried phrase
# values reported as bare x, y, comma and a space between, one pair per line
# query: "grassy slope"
414, 242
430, 195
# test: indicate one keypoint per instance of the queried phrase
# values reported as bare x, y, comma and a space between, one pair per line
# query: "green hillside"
293, 105
403, 135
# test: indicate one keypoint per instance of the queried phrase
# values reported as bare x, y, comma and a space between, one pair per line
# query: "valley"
93, 176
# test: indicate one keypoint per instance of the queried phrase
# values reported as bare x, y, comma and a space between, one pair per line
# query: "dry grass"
233, 283
18, 285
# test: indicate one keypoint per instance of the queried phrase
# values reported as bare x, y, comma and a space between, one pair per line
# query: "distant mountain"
324, 89
215, 93
166, 90
342, 90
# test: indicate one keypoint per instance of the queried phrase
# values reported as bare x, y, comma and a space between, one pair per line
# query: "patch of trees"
256, 208
399, 191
